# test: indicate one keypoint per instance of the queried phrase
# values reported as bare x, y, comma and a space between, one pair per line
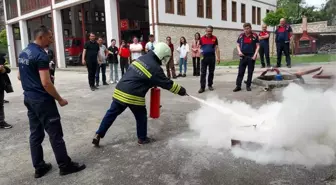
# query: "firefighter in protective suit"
143, 74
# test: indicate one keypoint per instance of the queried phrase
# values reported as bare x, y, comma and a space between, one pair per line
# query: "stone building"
125, 18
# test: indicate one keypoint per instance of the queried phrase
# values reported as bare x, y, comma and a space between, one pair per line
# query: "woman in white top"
183, 49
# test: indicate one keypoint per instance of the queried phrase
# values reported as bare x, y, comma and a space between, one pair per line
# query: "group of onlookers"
96, 56
250, 44
123, 56
205, 46
184, 50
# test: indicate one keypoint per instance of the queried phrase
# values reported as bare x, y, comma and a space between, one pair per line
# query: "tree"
329, 11
3, 38
272, 19
3, 42
295, 9
292, 8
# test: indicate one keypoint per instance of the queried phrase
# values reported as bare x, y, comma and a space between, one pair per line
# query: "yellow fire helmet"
163, 52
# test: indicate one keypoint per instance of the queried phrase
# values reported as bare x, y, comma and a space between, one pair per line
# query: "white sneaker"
111, 82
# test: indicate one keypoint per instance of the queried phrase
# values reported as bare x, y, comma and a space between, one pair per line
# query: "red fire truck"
73, 50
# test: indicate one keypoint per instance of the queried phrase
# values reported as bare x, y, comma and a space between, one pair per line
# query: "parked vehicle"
73, 50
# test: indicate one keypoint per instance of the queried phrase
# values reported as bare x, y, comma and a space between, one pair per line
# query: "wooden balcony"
28, 6
11, 9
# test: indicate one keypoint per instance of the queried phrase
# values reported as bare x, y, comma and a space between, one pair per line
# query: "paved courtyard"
120, 161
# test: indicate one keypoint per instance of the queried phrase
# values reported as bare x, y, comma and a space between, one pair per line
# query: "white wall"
191, 14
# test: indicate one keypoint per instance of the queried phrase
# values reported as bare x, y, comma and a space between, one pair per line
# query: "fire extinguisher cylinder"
155, 103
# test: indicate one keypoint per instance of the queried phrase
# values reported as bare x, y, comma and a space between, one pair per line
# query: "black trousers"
264, 53
43, 116
2, 111
124, 63
245, 61
208, 61
92, 69
283, 47
196, 66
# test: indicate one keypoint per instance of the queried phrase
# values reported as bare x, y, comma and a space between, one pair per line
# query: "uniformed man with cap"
143, 74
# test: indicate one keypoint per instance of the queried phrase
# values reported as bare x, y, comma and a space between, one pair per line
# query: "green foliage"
329, 10
292, 9
3, 41
3, 37
273, 18
295, 9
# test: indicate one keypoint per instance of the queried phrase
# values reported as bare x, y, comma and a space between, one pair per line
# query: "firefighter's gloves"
182, 92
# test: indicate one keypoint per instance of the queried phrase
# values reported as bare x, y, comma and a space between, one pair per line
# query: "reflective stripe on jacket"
143, 74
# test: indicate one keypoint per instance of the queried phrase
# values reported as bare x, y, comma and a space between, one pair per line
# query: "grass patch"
299, 59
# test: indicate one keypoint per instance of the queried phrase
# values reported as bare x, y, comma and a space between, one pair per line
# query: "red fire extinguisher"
155, 103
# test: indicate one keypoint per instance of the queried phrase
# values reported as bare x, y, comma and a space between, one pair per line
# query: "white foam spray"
299, 130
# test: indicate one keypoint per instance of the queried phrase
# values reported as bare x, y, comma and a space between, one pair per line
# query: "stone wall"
315, 27
227, 39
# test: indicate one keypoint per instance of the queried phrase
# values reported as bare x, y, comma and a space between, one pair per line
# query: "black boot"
248, 89
96, 140
72, 168
201, 90
43, 170
237, 89
145, 141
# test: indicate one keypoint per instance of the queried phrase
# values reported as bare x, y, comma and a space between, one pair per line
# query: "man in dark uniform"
39, 98
248, 47
283, 34
91, 59
143, 74
210, 52
264, 46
